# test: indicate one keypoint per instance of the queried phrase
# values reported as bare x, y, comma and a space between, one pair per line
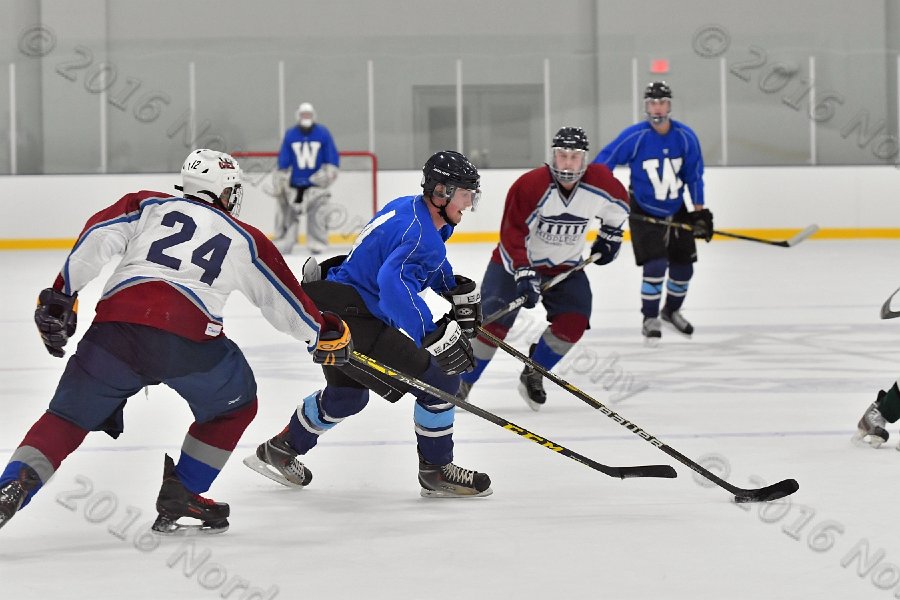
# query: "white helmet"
213, 177
307, 109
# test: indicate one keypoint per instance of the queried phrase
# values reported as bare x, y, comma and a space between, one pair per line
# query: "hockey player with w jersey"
543, 233
159, 321
396, 256
664, 158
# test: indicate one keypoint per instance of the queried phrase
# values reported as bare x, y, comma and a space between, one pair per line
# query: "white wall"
56, 206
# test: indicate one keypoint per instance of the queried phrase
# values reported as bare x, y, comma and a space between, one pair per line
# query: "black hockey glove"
607, 244
702, 224
450, 347
528, 285
466, 300
56, 317
335, 345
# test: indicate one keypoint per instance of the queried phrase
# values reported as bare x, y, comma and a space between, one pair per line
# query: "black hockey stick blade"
799, 237
775, 491
764, 494
886, 312
664, 471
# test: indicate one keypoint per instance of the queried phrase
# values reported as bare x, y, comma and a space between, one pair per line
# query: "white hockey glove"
450, 347
280, 181
466, 301
325, 176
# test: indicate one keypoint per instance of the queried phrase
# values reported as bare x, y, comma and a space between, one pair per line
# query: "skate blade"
676, 330
535, 406
442, 494
166, 526
652, 342
265, 470
864, 440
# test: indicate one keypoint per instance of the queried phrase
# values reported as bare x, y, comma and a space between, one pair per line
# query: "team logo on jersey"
561, 230
666, 185
306, 153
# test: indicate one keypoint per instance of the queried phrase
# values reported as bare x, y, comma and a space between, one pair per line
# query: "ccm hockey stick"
556, 279
664, 471
783, 243
764, 494
886, 312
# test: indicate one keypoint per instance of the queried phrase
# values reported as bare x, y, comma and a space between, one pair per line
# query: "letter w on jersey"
306, 153
667, 184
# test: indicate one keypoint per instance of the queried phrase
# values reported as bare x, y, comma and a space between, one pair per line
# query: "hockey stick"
799, 237
664, 471
770, 492
556, 279
886, 312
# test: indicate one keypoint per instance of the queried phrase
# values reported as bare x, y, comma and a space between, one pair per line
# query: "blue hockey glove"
607, 244
528, 285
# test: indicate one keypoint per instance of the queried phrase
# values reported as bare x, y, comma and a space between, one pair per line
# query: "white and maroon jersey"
181, 259
543, 229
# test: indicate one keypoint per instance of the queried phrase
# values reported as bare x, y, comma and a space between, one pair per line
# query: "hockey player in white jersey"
543, 233
159, 321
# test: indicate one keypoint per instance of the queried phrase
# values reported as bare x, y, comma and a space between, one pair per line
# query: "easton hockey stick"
799, 237
764, 494
886, 312
556, 279
664, 471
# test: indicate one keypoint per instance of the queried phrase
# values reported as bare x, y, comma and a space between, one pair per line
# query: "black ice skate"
276, 460
13, 494
870, 429
451, 481
176, 501
531, 386
677, 320
651, 330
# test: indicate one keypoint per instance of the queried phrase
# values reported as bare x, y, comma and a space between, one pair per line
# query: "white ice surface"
787, 354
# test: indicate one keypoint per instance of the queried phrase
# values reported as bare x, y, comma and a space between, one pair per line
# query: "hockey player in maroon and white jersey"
544, 230
159, 321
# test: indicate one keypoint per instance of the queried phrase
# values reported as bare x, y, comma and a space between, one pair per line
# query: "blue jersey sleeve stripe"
403, 264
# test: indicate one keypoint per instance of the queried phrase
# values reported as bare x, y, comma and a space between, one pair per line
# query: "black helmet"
569, 138
450, 168
658, 90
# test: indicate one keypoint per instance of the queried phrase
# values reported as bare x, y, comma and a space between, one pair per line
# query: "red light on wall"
659, 66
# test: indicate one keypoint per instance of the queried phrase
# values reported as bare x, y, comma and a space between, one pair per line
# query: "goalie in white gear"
308, 164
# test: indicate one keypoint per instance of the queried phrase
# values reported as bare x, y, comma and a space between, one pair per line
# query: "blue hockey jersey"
305, 153
396, 256
661, 165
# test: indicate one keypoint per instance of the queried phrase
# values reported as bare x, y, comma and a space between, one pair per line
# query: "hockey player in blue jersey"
308, 163
396, 256
664, 158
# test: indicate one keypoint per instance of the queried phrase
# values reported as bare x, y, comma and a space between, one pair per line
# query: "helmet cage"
213, 177
573, 139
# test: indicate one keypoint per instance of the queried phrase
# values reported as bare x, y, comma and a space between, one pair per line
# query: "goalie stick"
886, 312
556, 279
764, 494
789, 243
664, 471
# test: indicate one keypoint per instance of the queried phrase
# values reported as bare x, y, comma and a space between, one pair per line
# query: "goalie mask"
567, 142
213, 177
306, 115
658, 93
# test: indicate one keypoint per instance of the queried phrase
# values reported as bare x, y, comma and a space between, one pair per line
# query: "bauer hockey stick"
664, 471
886, 312
783, 243
764, 494
556, 279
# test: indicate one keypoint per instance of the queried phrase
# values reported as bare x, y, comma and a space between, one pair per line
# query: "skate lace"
205, 501
12, 493
874, 417
458, 474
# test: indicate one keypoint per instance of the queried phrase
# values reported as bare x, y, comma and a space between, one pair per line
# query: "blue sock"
544, 355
